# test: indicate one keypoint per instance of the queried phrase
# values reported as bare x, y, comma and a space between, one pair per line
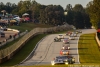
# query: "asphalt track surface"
48, 49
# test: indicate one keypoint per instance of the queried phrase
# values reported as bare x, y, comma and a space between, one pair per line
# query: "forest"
78, 16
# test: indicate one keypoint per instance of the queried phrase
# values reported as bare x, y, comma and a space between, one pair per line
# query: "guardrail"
7, 53
97, 39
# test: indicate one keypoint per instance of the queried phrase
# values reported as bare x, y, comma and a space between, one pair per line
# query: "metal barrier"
97, 39
7, 53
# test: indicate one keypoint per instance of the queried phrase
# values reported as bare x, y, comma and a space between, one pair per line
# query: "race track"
48, 49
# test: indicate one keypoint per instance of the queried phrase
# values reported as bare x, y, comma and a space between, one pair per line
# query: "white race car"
79, 31
60, 36
73, 34
72, 38
63, 60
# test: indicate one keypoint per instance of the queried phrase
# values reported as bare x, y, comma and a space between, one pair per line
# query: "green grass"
88, 50
28, 26
24, 52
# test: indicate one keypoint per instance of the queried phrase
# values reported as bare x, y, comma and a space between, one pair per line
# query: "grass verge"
88, 49
29, 26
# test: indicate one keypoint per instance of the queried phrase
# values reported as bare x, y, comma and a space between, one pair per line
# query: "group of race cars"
65, 57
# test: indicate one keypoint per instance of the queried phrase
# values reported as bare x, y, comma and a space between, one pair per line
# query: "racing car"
63, 60
71, 37
73, 34
60, 36
79, 31
57, 39
65, 47
69, 33
64, 52
66, 40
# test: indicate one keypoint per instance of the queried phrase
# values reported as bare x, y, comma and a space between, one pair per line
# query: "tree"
78, 17
70, 14
68, 7
2, 6
54, 14
8, 7
93, 8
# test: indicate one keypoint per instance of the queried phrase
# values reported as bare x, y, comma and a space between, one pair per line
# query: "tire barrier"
7, 53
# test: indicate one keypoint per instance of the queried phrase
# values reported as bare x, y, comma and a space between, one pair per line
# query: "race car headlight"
66, 60
52, 63
73, 59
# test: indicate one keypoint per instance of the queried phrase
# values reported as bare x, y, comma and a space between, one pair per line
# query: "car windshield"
62, 57
60, 35
66, 39
63, 50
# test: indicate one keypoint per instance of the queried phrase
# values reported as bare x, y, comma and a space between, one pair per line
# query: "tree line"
78, 16
93, 9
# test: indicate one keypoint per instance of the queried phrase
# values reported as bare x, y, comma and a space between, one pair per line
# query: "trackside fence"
7, 53
97, 39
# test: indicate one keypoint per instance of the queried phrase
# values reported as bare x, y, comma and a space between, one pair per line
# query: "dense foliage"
93, 9
50, 14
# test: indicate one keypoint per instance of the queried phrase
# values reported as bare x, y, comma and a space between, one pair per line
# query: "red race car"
64, 52
69, 33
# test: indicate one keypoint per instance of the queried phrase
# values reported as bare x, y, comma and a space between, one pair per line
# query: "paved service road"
7, 34
48, 49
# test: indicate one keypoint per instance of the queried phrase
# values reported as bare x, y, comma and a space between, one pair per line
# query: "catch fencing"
7, 53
